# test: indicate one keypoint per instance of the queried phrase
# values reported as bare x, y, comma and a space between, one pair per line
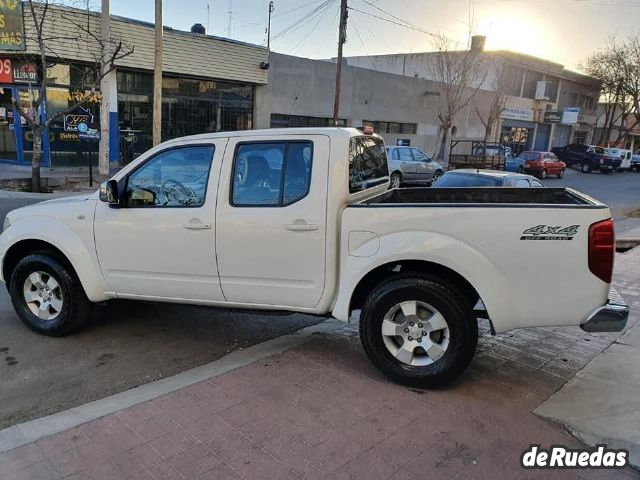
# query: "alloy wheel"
43, 295
415, 333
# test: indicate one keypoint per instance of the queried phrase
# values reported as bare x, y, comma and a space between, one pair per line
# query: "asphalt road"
621, 191
127, 344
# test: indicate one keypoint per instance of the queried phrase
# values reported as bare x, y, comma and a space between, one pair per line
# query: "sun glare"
513, 33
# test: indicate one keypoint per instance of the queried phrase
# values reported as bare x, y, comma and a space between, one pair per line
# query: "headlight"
7, 223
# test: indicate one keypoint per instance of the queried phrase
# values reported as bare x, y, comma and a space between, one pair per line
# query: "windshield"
367, 163
451, 179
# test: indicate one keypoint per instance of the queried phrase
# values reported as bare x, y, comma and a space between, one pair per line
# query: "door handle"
302, 227
197, 225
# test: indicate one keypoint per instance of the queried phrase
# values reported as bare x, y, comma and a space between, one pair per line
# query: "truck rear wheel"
418, 330
586, 168
47, 297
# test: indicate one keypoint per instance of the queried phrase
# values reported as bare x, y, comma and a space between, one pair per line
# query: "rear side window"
273, 174
367, 163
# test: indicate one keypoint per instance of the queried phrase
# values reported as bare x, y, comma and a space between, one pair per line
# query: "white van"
625, 155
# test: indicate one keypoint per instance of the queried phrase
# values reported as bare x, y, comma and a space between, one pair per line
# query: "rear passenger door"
407, 163
271, 220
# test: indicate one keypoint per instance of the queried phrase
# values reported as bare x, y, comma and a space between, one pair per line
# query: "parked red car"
542, 164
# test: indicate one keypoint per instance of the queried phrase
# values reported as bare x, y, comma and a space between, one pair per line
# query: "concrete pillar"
109, 148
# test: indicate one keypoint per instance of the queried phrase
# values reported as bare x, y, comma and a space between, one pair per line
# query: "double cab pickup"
302, 220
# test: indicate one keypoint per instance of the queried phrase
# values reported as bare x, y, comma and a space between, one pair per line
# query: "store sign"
6, 71
74, 119
403, 142
85, 132
11, 25
570, 115
552, 116
517, 114
25, 72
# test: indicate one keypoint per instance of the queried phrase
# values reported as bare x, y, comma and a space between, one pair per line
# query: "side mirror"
109, 192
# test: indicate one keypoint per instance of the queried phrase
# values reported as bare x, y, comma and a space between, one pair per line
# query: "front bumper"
611, 317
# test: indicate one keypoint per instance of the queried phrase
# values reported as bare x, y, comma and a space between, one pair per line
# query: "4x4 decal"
548, 232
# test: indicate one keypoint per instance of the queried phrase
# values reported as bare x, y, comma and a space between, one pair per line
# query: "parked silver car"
410, 165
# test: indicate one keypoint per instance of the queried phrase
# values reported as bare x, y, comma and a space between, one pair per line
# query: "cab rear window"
367, 163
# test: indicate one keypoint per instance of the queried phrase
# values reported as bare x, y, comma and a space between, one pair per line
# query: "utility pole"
230, 18
269, 27
342, 38
157, 77
108, 148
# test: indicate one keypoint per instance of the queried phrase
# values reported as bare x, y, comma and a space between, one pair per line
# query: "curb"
627, 243
33, 430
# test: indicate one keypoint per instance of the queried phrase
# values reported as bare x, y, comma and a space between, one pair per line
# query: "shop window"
391, 127
58, 74
279, 120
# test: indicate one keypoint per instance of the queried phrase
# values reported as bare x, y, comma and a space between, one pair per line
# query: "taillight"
602, 248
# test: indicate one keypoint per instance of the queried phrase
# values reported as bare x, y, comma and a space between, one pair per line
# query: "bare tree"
460, 74
42, 38
502, 82
617, 66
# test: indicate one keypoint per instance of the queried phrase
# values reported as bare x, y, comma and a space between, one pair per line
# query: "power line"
355, 27
308, 35
405, 24
303, 20
299, 7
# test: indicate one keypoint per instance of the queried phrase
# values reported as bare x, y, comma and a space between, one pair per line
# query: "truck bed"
505, 197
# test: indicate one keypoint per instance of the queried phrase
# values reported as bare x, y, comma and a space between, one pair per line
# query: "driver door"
161, 242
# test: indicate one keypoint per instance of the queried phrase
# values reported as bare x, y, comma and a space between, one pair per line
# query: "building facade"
208, 85
546, 104
300, 93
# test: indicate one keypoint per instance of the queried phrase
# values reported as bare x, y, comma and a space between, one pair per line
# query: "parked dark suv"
587, 157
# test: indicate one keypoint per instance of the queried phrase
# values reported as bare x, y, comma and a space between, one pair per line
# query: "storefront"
208, 86
517, 130
189, 106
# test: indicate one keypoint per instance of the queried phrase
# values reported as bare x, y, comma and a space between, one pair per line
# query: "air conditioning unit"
542, 90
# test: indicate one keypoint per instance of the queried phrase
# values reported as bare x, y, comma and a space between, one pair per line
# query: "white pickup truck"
301, 220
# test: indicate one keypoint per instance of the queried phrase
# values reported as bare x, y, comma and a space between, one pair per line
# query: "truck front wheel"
418, 330
47, 296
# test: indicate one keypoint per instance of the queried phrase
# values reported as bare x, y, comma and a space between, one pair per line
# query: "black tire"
436, 175
543, 174
561, 174
586, 168
76, 307
454, 307
396, 180
520, 169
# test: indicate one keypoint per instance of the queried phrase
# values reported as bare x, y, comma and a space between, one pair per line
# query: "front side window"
522, 182
420, 156
367, 163
173, 178
272, 174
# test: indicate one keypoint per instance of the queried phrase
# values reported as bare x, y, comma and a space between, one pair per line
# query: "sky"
565, 31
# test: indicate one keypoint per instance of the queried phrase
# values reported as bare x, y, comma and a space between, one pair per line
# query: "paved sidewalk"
318, 410
602, 403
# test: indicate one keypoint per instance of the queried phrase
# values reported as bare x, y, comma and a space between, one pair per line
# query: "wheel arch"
26, 247
72, 253
403, 267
